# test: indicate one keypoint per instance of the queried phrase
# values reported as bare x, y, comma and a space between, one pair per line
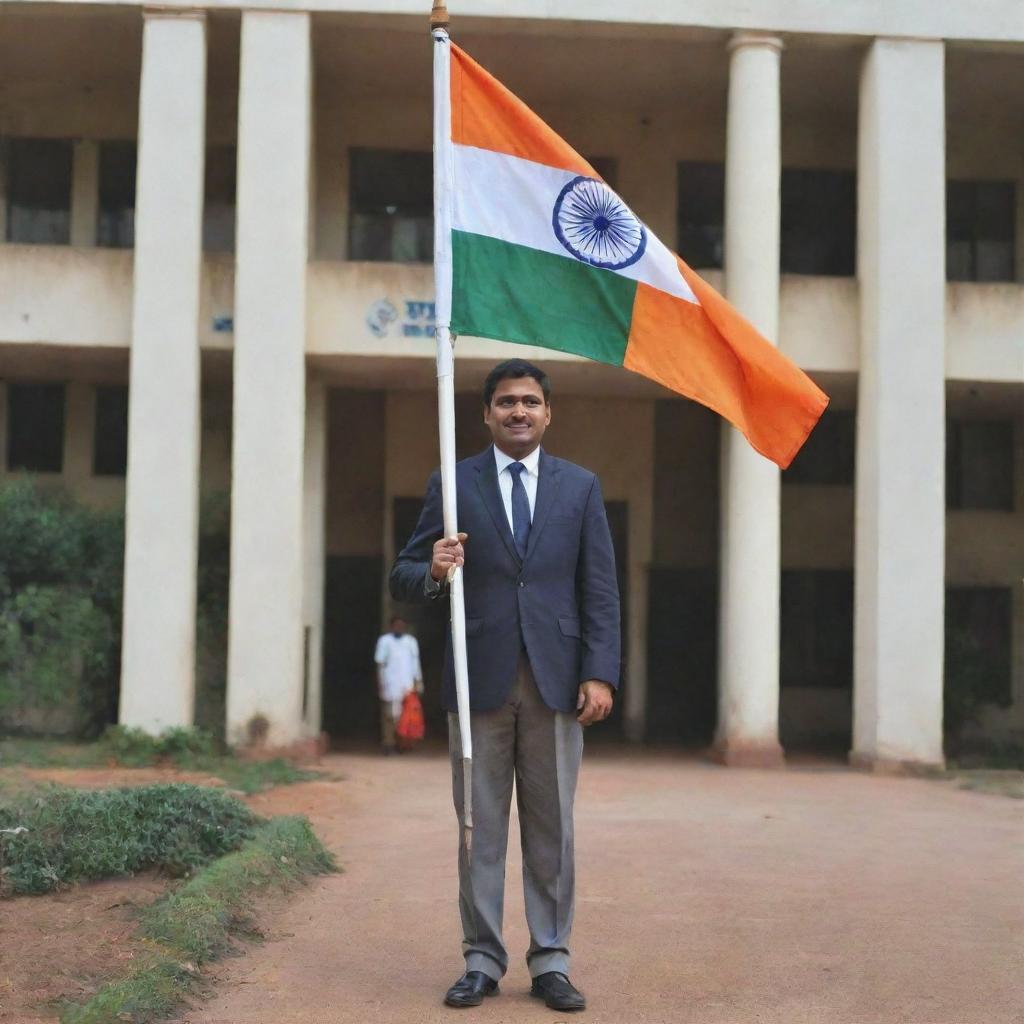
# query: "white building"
227, 212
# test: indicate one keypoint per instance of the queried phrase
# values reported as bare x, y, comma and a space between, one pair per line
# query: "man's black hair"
515, 369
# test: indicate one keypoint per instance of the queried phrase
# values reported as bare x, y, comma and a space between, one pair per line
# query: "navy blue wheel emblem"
596, 226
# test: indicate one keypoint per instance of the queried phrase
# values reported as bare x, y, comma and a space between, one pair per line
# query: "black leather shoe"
470, 989
557, 991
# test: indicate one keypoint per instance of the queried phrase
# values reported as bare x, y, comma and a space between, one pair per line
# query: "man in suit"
542, 636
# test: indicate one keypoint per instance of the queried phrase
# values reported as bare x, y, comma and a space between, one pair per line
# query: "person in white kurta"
398, 673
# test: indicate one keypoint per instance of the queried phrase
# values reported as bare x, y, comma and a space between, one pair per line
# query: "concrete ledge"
749, 753
894, 766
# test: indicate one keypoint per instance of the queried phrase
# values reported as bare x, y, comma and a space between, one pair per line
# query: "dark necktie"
520, 508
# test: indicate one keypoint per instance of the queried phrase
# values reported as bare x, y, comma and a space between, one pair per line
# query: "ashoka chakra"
596, 226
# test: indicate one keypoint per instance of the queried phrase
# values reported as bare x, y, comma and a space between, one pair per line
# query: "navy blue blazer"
561, 602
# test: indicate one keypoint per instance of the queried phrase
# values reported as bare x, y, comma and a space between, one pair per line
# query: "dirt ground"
813, 895
63, 945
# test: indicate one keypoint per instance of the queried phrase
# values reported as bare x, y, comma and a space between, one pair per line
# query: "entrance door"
351, 626
682, 655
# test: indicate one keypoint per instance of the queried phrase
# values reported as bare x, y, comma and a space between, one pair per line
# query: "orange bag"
409, 728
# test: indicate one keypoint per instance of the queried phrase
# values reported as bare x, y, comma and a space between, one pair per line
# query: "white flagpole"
443, 175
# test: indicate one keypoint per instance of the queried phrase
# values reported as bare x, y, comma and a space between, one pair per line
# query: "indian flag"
545, 253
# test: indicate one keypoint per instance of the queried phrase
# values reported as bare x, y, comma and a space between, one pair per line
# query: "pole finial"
439, 15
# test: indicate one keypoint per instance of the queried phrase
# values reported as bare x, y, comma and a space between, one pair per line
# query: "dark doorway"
351, 626
682, 656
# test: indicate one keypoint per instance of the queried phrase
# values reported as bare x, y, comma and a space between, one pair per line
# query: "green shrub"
197, 919
60, 610
196, 923
61, 584
134, 748
73, 835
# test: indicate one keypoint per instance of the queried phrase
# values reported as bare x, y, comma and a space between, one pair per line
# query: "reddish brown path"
705, 896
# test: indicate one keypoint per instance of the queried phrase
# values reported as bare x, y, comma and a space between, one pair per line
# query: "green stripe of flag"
514, 293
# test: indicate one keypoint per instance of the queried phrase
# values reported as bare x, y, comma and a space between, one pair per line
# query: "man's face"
517, 416
398, 627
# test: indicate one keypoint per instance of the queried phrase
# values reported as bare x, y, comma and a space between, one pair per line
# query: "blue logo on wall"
596, 226
379, 316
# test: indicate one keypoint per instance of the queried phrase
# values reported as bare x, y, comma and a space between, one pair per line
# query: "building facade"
215, 278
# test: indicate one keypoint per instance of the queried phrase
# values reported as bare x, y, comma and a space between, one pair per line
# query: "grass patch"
196, 923
186, 749
54, 836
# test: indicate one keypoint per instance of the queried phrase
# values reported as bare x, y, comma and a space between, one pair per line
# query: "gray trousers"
540, 749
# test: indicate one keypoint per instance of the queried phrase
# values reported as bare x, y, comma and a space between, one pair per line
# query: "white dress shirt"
529, 478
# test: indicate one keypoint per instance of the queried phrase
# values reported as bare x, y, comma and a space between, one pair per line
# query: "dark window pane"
827, 457
816, 628
219, 201
980, 230
960, 211
979, 464
994, 210
701, 189
116, 227
110, 436
979, 627
819, 222
35, 427
391, 204
38, 190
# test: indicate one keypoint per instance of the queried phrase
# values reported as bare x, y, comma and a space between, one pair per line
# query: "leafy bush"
72, 835
61, 584
60, 609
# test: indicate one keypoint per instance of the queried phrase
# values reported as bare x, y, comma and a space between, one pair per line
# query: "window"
391, 204
827, 457
701, 233
979, 464
816, 628
38, 190
219, 201
110, 433
980, 235
35, 427
979, 627
116, 226
819, 219
819, 222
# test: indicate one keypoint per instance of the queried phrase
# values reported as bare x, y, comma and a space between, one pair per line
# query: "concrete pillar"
85, 192
900, 505
162, 486
266, 639
315, 550
748, 681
